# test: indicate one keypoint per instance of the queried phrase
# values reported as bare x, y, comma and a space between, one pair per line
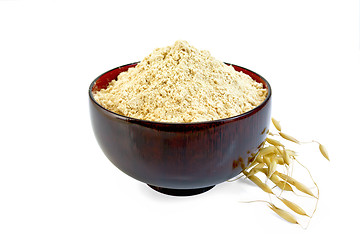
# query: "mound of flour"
180, 83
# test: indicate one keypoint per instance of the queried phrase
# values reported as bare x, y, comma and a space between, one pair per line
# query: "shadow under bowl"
179, 159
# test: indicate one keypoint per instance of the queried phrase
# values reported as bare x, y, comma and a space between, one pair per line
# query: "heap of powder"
180, 84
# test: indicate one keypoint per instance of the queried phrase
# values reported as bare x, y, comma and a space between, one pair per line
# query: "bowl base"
181, 192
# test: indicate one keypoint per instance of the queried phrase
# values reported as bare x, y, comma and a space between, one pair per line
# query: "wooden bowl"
179, 158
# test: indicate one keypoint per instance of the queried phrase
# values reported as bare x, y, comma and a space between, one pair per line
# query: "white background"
55, 183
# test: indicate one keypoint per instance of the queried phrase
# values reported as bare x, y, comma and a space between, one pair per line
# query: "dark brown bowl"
179, 158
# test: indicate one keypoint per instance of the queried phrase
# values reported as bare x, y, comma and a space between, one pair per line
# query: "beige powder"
181, 84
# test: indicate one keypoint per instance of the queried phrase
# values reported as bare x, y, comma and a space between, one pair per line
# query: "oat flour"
181, 84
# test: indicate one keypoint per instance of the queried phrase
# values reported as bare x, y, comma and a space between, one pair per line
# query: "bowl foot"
181, 192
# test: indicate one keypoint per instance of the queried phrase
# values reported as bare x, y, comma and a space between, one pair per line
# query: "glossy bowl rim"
222, 120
